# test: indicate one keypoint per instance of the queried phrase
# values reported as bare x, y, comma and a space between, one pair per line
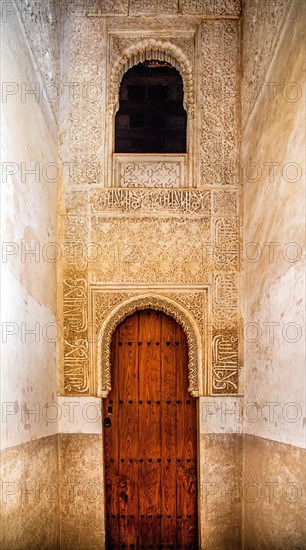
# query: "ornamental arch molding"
151, 49
141, 50
159, 303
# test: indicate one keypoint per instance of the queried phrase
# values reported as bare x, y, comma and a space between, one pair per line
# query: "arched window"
151, 117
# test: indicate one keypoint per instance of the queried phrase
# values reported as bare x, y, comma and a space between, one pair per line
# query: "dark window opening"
137, 120
151, 116
136, 92
157, 93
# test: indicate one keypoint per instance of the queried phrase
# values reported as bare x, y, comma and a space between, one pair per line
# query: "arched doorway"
150, 437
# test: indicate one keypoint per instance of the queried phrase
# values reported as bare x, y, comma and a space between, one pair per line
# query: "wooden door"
150, 439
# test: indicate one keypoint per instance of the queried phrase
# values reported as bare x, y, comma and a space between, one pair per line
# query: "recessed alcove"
151, 116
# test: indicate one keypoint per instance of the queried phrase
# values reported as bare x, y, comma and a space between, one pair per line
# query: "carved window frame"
146, 49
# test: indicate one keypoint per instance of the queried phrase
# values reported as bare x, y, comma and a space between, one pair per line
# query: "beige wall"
274, 212
30, 495
82, 491
273, 172
221, 500
273, 495
29, 469
29, 207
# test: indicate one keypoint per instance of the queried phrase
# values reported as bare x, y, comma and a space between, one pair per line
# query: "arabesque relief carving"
225, 358
151, 48
217, 7
147, 7
149, 250
139, 234
76, 345
218, 93
149, 170
154, 302
183, 42
226, 241
134, 243
84, 96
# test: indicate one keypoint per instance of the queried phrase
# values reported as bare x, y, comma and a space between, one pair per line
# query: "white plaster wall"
81, 415
273, 171
29, 206
274, 405
221, 415
28, 377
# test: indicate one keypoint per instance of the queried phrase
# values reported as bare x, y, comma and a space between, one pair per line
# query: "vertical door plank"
186, 443
128, 436
150, 426
168, 432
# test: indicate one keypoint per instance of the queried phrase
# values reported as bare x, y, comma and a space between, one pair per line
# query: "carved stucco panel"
150, 174
118, 44
140, 170
83, 146
75, 336
156, 202
225, 203
154, 301
76, 237
150, 48
147, 7
154, 22
226, 243
218, 103
207, 7
84, 8
150, 250
225, 362
225, 297
138, 7
153, 236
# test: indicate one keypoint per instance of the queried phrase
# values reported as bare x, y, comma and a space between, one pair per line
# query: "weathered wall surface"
273, 172
261, 29
273, 495
29, 208
221, 499
29, 332
81, 491
30, 495
273, 164
41, 24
